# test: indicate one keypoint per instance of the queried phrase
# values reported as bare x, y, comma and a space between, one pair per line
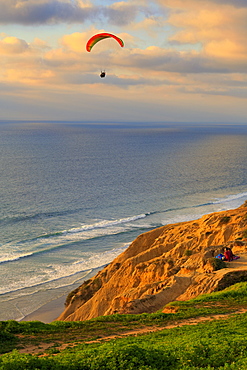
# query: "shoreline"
48, 312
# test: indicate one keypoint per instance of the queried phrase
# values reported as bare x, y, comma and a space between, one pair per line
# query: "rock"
169, 263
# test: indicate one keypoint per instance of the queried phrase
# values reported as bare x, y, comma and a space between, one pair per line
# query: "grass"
201, 346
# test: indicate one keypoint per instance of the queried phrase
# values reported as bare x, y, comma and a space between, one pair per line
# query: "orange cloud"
13, 45
30, 77
76, 41
219, 28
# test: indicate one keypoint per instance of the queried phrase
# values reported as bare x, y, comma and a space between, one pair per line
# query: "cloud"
31, 12
234, 3
13, 45
70, 64
215, 28
77, 40
169, 60
194, 51
121, 81
121, 13
152, 59
200, 3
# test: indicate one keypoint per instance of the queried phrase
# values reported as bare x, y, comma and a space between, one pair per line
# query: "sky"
183, 61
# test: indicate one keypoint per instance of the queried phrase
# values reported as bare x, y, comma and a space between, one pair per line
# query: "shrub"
117, 356
7, 342
188, 252
18, 361
70, 296
225, 219
170, 262
12, 326
28, 327
217, 263
245, 233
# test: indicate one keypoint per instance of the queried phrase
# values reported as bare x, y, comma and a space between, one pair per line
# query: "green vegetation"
188, 252
218, 344
245, 233
225, 219
217, 263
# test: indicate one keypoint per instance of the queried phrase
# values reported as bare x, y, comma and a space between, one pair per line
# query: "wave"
36, 216
224, 203
226, 199
106, 224
49, 242
230, 198
187, 213
46, 215
59, 274
11, 257
29, 290
55, 273
63, 239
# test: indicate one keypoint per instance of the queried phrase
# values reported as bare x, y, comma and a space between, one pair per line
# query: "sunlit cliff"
173, 262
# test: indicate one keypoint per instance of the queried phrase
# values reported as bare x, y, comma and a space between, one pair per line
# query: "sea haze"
73, 196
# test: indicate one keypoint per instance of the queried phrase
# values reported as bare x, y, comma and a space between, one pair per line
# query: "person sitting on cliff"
228, 255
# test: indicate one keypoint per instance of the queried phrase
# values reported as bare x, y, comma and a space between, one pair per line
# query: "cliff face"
166, 264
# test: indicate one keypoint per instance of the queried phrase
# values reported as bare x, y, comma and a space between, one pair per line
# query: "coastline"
48, 312
52, 310
87, 220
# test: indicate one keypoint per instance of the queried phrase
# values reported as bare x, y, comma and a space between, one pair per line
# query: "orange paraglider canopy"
100, 36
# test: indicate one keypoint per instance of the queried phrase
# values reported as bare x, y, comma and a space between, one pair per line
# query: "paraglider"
101, 36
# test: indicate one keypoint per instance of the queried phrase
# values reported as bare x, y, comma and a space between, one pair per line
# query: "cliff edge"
173, 262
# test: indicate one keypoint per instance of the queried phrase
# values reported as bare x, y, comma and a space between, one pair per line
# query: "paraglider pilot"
101, 36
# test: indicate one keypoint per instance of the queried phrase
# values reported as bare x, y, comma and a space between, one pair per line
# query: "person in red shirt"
228, 254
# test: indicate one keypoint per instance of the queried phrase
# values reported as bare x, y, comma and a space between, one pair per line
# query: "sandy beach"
49, 312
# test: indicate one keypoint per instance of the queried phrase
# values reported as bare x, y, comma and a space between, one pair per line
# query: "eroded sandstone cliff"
173, 262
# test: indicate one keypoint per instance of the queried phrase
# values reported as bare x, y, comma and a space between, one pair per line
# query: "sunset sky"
183, 60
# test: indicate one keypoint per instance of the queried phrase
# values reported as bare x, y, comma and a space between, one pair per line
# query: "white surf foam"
105, 224
55, 274
48, 242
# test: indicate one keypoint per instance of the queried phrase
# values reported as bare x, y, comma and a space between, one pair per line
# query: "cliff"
173, 262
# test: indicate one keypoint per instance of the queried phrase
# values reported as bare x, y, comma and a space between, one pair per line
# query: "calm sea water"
74, 196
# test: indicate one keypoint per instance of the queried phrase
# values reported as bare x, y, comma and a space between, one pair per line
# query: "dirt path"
192, 321
43, 347
240, 264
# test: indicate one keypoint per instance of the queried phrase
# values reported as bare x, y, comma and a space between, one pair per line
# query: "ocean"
74, 196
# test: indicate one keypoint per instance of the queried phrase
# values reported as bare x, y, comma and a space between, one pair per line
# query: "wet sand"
49, 312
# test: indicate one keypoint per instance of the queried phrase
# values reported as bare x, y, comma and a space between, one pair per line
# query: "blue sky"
183, 60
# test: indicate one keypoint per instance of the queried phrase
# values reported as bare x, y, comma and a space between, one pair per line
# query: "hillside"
173, 262
148, 341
